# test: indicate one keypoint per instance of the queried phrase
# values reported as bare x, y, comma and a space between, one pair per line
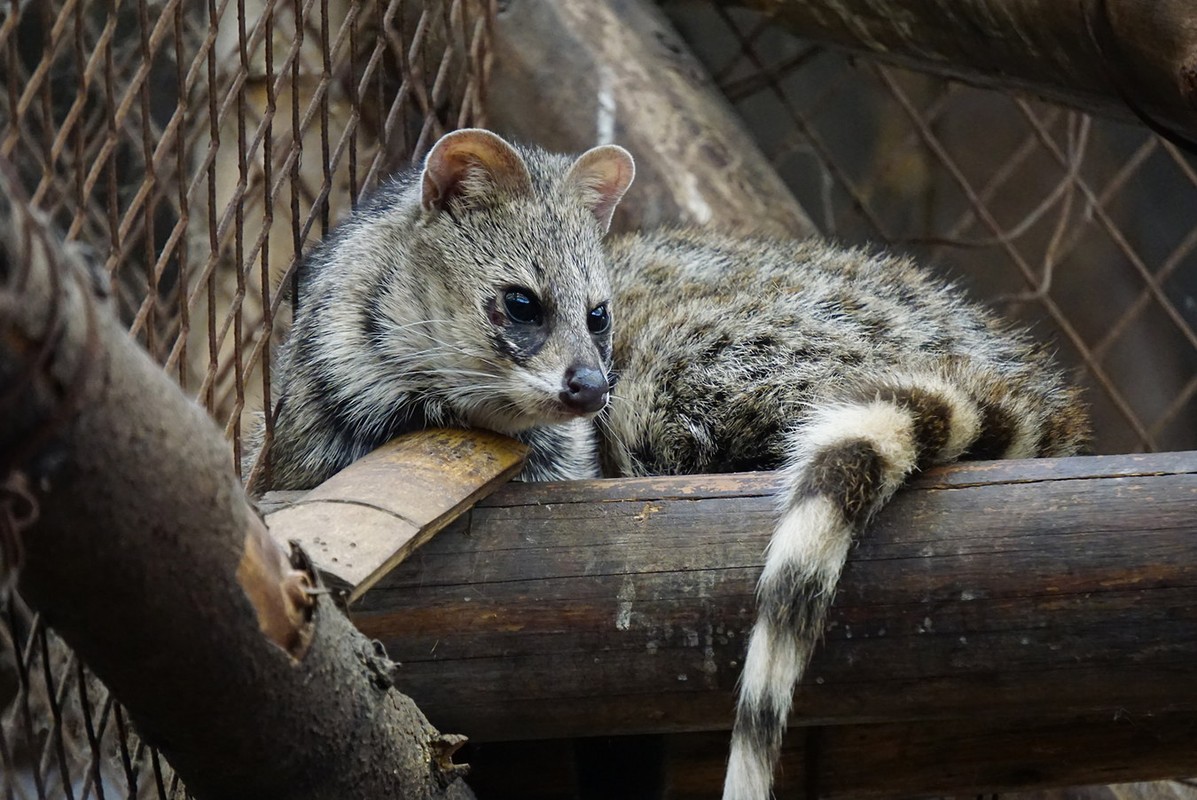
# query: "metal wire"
167, 136
1090, 239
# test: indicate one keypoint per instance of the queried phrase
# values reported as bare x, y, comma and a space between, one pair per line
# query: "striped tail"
846, 461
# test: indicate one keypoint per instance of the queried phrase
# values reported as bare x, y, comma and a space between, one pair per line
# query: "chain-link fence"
196, 148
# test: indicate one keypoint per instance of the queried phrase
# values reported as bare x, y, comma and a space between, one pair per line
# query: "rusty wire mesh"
1082, 227
63, 735
196, 149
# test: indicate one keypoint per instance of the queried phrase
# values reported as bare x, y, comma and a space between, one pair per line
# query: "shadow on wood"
865, 761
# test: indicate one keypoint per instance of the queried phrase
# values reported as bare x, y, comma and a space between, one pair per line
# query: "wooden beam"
1048, 589
569, 74
1097, 55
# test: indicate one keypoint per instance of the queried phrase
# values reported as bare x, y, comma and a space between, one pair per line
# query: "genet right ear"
473, 166
601, 175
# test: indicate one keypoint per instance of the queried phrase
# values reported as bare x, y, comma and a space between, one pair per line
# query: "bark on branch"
147, 558
1114, 57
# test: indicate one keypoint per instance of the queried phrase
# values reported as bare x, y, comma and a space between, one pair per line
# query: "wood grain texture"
1005, 591
360, 523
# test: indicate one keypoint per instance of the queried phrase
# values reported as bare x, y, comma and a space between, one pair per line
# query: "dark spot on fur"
515, 341
932, 421
411, 417
543, 445
997, 432
333, 413
940, 343
852, 358
373, 321
794, 603
603, 345
849, 473
765, 343
736, 450
372, 324
715, 348
812, 351
762, 726
1064, 432
908, 296
645, 458
874, 327
503, 347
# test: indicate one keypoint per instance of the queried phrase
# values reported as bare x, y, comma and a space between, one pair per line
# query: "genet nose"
585, 389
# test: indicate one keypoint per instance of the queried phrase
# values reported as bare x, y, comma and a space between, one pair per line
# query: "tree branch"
146, 556
1114, 57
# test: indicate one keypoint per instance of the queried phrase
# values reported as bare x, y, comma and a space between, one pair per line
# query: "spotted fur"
401, 322
848, 369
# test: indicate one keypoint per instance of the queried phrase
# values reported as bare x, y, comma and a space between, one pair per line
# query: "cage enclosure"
1004, 626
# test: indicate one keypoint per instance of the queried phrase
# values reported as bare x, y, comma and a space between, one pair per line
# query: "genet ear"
475, 166
602, 175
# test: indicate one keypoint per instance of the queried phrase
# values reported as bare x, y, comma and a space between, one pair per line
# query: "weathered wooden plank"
360, 523
1010, 590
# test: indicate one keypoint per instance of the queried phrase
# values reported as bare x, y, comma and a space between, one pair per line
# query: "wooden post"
569, 74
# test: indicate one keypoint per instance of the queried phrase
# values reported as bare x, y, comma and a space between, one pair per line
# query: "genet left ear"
473, 166
601, 175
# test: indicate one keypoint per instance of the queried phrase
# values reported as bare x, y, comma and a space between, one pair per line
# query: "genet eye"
599, 319
522, 306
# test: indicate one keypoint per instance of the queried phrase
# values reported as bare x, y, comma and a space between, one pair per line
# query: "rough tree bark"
146, 556
1094, 54
574, 73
